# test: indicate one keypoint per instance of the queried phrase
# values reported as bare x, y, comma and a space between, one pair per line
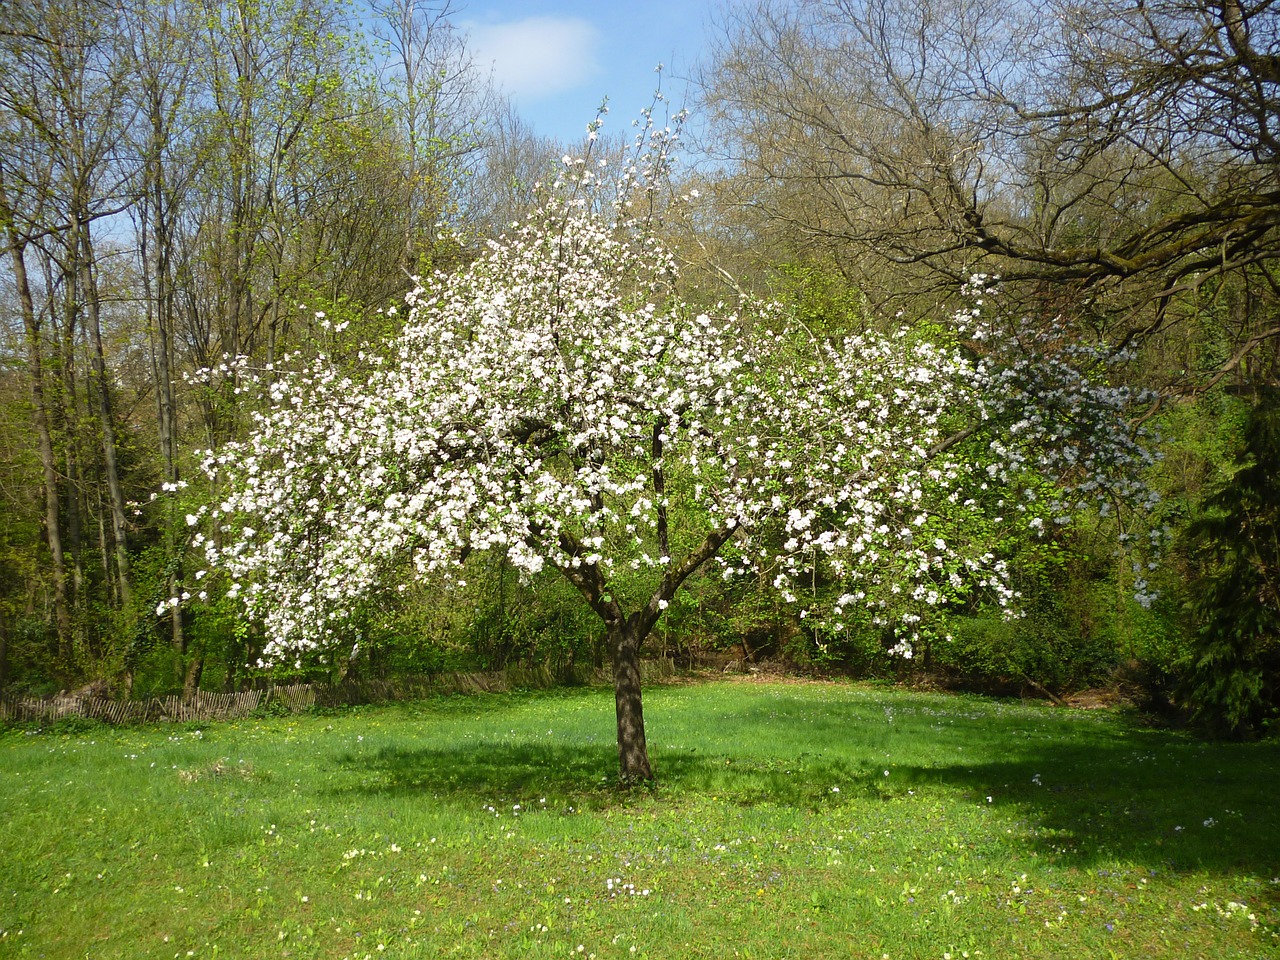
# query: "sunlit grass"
792, 820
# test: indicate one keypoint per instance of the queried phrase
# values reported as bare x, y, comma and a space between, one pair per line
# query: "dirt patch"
1097, 698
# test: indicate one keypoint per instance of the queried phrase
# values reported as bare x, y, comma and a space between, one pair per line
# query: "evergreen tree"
1231, 681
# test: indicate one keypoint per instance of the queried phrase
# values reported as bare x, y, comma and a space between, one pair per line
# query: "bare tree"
440, 104
1111, 159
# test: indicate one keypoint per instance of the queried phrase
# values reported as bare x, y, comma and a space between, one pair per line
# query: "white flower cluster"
554, 398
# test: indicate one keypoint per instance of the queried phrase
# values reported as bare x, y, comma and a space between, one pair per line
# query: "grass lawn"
791, 820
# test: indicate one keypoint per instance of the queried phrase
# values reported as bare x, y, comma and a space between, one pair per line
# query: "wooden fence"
300, 696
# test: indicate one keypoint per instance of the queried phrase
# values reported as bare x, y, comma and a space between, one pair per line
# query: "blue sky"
557, 59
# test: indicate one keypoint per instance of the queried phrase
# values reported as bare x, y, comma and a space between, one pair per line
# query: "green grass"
792, 820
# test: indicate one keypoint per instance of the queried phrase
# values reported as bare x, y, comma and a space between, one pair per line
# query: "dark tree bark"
69, 410
626, 635
191, 683
633, 752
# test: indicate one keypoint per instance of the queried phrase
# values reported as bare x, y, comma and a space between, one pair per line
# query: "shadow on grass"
1149, 799
1076, 792
487, 771
1078, 788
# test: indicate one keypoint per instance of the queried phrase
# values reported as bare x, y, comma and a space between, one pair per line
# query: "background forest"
183, 183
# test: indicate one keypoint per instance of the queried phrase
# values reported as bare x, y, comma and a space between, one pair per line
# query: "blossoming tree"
557, 397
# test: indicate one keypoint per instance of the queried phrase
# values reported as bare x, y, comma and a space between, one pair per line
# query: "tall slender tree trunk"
115, 493
240, 309
44, 436
75, 506
104, 549
161, 315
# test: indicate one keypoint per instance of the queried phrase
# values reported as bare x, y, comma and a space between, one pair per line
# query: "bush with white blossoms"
558, 397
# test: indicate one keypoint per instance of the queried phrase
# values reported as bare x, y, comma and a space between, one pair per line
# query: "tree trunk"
70, 428
633, 753
157, 223
195, 670
44, 437
4, 654
625, 634
98, 364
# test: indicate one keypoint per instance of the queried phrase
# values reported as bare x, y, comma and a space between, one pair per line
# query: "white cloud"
538, 56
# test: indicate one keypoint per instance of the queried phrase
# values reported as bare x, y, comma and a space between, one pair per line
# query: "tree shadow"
487, 771
1166, 804
1086, 788
1079, 794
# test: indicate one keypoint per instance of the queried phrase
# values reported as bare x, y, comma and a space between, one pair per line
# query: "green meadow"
790, 820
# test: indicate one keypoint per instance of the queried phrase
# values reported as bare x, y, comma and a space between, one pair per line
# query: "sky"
558, 59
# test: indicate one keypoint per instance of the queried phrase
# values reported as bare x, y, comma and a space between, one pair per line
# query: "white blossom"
545, 399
